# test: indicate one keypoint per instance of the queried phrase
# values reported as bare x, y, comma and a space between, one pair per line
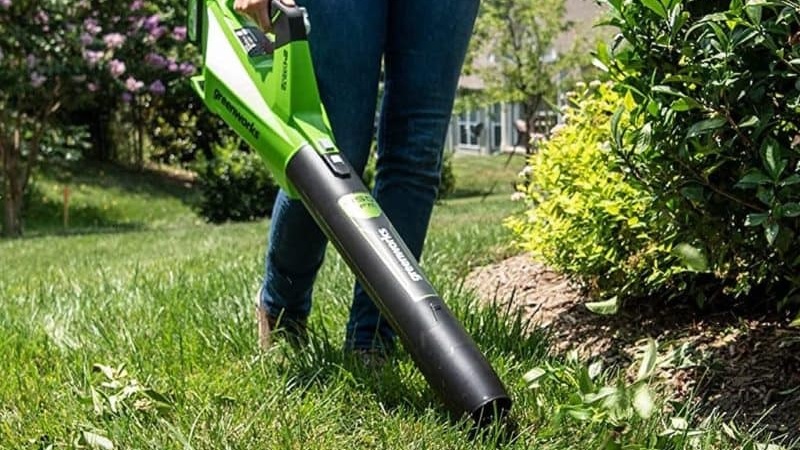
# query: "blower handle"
288, 23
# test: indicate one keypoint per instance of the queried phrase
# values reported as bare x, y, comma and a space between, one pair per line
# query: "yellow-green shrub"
583, 216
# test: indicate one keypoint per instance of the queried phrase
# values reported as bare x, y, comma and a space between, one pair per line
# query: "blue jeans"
422, 44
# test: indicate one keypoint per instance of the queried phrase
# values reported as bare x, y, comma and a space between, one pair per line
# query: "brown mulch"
744, 365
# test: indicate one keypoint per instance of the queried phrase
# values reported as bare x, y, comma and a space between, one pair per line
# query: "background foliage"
696, 191
718, 94
235, 185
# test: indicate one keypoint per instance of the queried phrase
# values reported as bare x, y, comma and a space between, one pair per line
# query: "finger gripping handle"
288, 23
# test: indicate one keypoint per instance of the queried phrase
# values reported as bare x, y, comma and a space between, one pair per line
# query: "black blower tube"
447, 356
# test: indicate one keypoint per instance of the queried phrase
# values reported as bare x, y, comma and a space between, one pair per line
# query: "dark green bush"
716, 137
235, 185
447, 183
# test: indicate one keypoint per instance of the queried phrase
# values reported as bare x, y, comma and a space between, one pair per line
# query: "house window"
468, 129
497, 126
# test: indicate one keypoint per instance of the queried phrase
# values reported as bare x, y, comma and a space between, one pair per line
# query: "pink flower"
151, 22
91, 26
157, 88
133, 85
31, 61
42, 17
157, 32
127, 97
179, 33
5, 4
86, 39
155, 60
92, 58
116, 68
136, 5
186, 68
114, 40
92, 87
172, 65
37, 79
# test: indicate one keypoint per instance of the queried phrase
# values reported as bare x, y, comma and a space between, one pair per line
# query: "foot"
371, 358
295, 331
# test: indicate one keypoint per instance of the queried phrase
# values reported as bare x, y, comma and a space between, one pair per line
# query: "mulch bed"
745, 365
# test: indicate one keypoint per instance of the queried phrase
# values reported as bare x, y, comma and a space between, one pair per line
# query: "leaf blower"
263, 86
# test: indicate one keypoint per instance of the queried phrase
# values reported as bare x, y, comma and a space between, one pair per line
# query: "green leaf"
796, 322
656, 7
771, 156
643, 402
790, 180
754, 177
790, 210
648, 361
771, 231
692, 257
604, 308
629, 101
755, 219
577, 413
534, 374
750, 121
668, 90
704, 126
94, 440
684, 104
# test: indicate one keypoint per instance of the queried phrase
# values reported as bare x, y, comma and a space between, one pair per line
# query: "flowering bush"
135, 54
40, 60
86, 65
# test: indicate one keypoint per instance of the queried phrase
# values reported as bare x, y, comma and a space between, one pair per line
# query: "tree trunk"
530, 109
13, 188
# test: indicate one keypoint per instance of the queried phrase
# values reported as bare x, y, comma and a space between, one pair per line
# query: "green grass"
171, 301
485, 175
106, 198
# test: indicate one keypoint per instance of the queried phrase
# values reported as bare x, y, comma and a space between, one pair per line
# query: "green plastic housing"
270, 99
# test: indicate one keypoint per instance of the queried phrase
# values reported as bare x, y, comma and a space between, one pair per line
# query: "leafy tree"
512, 51
39, 60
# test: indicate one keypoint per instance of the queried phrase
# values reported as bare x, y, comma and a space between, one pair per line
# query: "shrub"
582, 214
235, 185
716, 136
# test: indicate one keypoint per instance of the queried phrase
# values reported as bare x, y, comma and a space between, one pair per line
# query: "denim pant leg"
346, 43
425, 48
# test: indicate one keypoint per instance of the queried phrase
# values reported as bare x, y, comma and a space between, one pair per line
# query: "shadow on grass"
112, 176
45, 215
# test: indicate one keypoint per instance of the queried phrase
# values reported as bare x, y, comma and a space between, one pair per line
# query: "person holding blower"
421, 45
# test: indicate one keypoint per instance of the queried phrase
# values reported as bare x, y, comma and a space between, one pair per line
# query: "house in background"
499, 127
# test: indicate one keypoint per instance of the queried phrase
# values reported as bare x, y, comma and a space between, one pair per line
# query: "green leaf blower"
265, 89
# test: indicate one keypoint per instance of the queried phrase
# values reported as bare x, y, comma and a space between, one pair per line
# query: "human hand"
258, 10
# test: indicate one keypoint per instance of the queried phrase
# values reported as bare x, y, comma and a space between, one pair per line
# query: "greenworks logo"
360, 206
231, 108
386, 237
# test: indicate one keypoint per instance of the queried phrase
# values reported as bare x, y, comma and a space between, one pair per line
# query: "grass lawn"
143, 336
